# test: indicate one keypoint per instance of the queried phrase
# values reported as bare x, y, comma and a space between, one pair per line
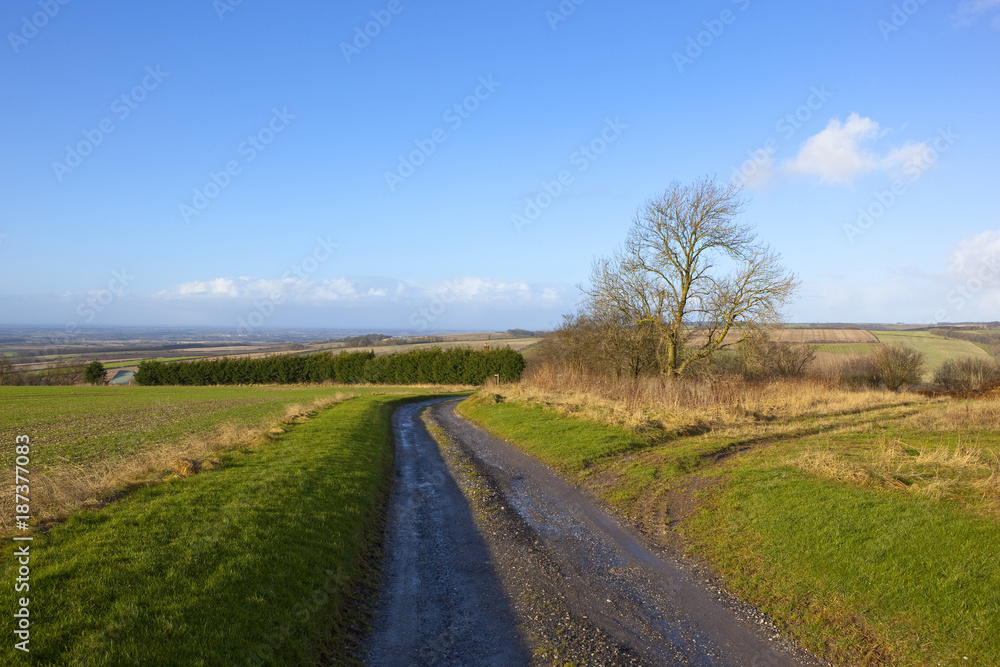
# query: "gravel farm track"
491, 559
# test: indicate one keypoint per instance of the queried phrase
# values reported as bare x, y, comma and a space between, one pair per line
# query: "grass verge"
263, 560
860, 576
870, 535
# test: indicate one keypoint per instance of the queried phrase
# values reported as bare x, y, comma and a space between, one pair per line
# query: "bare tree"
694, 274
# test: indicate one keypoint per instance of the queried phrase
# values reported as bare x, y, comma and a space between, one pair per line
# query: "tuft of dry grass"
68, 486
966, 415
964, 472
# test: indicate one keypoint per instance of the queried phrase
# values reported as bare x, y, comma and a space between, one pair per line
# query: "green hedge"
429, 366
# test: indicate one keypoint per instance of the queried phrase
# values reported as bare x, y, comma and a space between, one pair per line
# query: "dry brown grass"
825, 336
981, 414
693, 405
67, 486
966, 472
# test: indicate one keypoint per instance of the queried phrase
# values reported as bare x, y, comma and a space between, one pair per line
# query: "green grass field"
871, 535
80, 424
262, 560
936, 349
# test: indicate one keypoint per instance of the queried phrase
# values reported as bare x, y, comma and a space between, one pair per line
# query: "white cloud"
488, 291
246, 288
976, 260
842, 152
970, 10
468, 290
837, 153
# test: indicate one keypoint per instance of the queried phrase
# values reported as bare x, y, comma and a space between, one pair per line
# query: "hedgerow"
428, 366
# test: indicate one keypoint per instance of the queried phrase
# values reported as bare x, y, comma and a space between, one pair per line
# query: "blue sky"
259, 165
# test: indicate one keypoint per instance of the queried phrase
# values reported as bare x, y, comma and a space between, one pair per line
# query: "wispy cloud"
969, 11
470, 290
976, 259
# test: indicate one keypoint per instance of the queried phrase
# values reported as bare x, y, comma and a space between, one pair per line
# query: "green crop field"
90, 444
262, 560
79, 424
252, 551
936, 350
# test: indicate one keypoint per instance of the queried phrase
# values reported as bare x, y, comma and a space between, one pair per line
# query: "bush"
967, 374
899, 366
94, 372
762, 357
861, 373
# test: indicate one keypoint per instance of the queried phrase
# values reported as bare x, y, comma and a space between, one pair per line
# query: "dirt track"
524, 564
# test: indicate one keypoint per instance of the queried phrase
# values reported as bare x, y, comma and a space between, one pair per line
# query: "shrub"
967, 374
899, 366
860, 373
94, 372
762, 357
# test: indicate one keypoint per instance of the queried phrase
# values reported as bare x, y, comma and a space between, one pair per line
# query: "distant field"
135, 362
817, 336
936, 349
474, 343
845, 348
